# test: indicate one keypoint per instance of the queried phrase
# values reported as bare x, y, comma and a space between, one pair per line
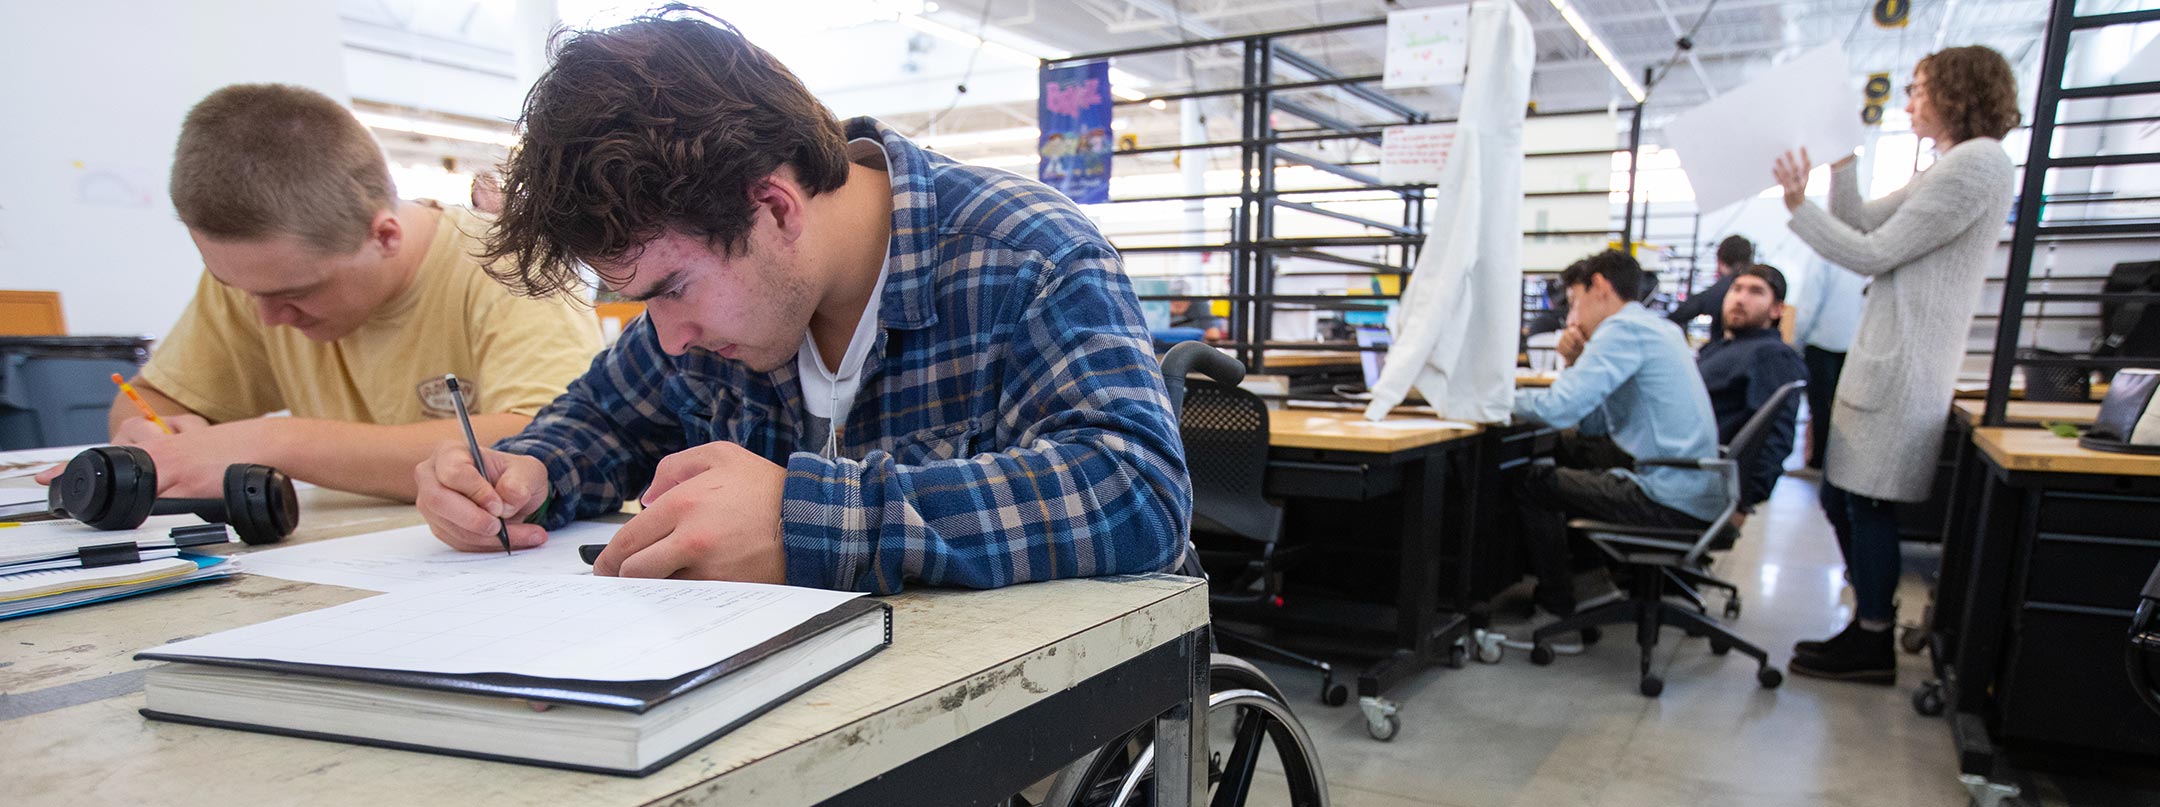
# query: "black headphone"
115, 488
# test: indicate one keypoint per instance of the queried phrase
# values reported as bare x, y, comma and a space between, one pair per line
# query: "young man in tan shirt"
326, 296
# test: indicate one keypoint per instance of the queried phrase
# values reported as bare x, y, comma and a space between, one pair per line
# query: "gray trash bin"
56, 390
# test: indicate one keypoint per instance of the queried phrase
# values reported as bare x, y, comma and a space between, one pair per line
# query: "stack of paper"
32, 460
53, 589
50, 565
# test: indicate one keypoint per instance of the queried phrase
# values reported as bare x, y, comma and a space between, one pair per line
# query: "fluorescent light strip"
1597, 46
442, 129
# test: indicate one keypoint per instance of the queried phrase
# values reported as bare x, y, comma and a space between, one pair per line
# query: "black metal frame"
2032, 202
1166, 686
1253, 247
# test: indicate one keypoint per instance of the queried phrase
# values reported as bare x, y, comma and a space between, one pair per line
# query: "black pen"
502, 528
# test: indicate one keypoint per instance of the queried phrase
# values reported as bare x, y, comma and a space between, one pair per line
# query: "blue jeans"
1867, 533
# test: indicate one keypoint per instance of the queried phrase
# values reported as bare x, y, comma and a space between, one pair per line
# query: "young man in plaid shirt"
861, 364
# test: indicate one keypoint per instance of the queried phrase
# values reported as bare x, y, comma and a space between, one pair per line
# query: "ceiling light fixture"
1597, 46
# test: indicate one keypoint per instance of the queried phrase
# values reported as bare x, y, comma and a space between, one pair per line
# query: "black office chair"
1225, 430
1655, 556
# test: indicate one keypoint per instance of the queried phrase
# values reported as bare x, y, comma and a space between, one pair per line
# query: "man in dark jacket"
1742, 370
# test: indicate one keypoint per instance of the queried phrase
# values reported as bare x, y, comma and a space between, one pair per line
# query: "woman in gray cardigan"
1926, 247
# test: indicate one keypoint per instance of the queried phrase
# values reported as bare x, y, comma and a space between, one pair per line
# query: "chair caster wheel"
1769, 677
1719, 647
1385, 729
1590, 636
1381, 720
1456, 655
1913, 640
1334, 694
1489, 650
1652, 686
1541, 654
1732, 609
1928, 700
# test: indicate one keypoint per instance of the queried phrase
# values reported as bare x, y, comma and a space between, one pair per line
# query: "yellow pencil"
146, 410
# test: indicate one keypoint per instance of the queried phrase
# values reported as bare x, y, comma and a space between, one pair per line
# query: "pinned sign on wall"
1892, 13
1878, 94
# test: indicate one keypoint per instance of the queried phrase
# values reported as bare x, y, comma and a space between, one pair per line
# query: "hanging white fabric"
1461, 314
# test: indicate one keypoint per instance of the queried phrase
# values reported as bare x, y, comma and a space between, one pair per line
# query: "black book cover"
628, 696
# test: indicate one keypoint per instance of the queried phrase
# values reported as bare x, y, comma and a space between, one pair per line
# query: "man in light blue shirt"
1630, 390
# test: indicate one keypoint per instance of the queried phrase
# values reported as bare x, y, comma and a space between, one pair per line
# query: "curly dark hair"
662, 123
1972, 90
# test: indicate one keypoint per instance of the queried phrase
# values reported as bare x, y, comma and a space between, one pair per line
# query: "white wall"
94, 99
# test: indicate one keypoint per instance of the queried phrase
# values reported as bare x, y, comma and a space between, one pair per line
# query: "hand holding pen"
475, 499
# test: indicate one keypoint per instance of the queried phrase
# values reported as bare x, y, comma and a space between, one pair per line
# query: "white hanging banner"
1457, 325
1427, 46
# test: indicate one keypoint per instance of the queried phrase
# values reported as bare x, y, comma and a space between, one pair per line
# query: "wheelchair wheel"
1245, 725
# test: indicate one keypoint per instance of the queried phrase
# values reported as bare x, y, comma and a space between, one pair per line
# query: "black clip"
109, 554
200, 535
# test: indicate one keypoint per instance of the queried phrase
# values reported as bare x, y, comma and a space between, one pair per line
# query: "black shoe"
1844, 637
1868, 656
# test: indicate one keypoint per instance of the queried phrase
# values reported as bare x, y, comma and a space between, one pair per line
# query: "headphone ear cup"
107, 487
261, 503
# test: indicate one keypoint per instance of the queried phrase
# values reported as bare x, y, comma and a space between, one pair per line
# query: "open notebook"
634, 673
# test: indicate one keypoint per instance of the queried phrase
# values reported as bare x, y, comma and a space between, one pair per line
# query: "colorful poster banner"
1074, 112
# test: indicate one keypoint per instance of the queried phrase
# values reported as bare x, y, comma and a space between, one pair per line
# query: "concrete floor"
1576, 733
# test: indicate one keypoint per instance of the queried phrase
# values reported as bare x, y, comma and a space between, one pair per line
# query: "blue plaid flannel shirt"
1011, 425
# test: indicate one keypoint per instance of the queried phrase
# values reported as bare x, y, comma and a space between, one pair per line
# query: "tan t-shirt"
512, 354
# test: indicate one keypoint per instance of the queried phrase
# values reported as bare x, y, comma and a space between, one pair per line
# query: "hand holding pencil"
129, 390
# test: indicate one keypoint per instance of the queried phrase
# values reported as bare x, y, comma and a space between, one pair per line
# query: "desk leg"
1420, 629
1181, 753
2007, 512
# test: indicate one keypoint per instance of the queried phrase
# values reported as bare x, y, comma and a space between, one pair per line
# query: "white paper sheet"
578, 628
1414, 154
29, 461
1728, 145
396, 560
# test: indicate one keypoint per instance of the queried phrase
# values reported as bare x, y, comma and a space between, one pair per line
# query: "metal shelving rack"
2030, 227
1255, 247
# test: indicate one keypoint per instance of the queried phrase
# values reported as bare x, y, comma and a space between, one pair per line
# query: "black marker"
502, 528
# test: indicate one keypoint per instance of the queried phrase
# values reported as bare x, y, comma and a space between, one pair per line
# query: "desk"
1525, 380
2031, 413
1313, 358
2017, 391
1350, 431
2035, 600
1957, 472
980, 695
1340, 456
